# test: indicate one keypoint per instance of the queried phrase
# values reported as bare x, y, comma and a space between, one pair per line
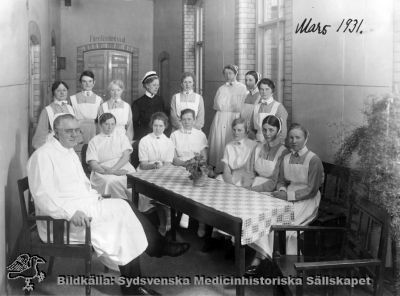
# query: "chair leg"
88, 270
51, 264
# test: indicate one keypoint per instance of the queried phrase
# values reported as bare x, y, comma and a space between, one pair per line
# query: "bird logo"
26, 267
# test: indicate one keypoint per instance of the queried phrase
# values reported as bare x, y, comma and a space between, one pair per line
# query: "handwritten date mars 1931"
347, 25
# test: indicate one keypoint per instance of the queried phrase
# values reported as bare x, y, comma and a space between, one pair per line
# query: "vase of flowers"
198, 169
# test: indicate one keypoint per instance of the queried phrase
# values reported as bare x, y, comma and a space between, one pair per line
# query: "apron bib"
121, 115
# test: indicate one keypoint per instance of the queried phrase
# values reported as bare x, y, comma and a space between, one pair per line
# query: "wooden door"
108, 65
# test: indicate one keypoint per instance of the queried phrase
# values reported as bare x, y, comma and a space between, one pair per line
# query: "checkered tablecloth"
257, 211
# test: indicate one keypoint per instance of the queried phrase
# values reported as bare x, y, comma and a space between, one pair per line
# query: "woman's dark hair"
159, 116
272, 120
254, 74
191, 111
87, 73
300, 127
187, 74
268, 82
106, 116
232, 67
56, 84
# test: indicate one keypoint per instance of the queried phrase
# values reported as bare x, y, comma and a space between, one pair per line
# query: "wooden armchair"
334, 196
362, 254
57, 243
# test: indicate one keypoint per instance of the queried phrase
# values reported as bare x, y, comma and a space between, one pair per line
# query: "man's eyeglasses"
70, 131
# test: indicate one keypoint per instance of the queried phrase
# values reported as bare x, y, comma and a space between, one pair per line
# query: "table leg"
239, 263
135, 196
173, 224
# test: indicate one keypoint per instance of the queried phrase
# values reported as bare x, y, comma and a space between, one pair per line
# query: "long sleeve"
315, 176
200, 115
174, 117
45, 194
282, 182
42, 130
283, 114
129, 126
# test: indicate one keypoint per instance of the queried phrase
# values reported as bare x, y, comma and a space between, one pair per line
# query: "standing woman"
268, 106
86, 106
120, 109
300, 177
44, 129
187, 99
252, 97
148, 104
228, 103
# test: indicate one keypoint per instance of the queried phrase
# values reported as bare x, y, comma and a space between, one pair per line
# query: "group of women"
246, 143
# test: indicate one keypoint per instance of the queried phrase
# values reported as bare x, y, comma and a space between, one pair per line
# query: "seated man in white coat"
61, 189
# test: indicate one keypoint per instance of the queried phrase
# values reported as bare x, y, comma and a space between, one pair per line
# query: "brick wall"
189, 12
245, 36
288, 60
396, 47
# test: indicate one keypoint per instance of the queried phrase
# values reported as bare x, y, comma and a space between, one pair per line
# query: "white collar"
267, 101
149, 95
87, 93
241, 142
301, 152
153, 135
56, 143
230, 83
116, 100
185, 131
253, 91
187, 92
63, 102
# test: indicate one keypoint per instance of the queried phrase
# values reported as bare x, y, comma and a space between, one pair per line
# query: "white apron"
259, 117
121, 115
187, 105
304, 211
86, 113
264, 167
112, 184
52, 116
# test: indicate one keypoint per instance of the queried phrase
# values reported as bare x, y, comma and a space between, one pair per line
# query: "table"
245, 214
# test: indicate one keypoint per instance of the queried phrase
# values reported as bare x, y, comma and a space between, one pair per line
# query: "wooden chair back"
57, 243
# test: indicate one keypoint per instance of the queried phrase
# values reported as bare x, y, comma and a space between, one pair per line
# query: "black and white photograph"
200, 147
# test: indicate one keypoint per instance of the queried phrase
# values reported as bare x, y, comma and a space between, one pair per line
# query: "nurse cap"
149, 75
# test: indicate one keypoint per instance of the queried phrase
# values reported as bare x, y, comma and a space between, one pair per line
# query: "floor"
193, 263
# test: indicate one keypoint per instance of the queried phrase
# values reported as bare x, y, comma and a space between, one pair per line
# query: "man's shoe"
175, 249
252, 271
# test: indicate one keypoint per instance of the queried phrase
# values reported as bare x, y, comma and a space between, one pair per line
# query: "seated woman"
266, 157
265, 162
156, 151
300, 176
236, 156
108, 157
188, 141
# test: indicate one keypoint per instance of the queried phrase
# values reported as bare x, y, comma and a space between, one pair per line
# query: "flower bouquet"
198, 169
